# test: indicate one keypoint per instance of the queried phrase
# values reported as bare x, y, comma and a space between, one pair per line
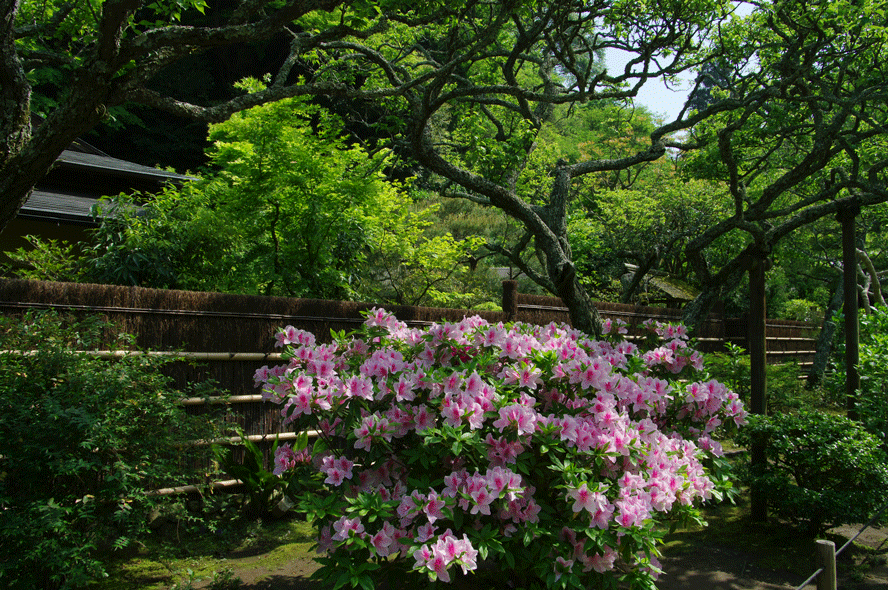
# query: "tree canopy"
807, 138
464, 92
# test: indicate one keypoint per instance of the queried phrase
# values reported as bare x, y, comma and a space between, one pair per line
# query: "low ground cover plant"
479, 449
84, 441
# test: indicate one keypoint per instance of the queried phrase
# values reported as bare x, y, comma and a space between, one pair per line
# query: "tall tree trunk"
583, 314
823, 346
15, 113
638, 276
726, 281
15, 91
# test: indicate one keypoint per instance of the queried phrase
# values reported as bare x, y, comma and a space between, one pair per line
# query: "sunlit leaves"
301, 196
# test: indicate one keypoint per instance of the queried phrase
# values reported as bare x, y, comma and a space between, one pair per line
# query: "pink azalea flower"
334, 477
422, 556
325, 540
347, 527
424, 419
468, 555
473, 384
452, 412
284, 459
562, 566
584, 499
482, 499
323, 369
519, 417
382, 543
632, 512
433, 506
410, 505
405, 389
447, 547
602, 563
425, 532
439, 565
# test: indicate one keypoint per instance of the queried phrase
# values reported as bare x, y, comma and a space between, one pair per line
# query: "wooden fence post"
826, 559
510, 299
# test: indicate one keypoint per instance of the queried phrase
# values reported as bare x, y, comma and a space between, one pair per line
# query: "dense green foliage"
291, 208
84, 441
512, 106
47, 260
262, 485
784, 154
871, 401
822, 469
786, 391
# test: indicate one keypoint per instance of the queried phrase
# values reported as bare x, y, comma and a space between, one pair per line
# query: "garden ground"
729, 554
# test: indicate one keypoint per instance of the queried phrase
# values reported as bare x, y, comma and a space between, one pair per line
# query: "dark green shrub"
872, 398
731, 368
786, 391
822, 470
84, 441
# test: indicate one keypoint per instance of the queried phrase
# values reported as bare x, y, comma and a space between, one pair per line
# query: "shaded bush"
84, 441
731, 368
822, 470
871, 406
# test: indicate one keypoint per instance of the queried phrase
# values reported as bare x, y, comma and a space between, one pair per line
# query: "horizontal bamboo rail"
212, 400
183, 312
185, 355
233, 440
194, 489
228, 483
776, 338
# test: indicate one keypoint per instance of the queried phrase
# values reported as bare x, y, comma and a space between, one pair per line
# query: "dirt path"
693, 564
724, 568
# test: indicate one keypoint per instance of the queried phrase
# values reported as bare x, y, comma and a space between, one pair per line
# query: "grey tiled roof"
60, 207
105, 163
74, 206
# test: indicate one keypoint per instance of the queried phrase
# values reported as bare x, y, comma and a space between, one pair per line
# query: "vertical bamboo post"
847, 216
758, 371
826, 559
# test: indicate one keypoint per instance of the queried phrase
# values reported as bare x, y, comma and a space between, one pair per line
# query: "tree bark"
15, 92
724, 282
874, 286
26, 165
758, 373
847, 216
584, 315
638, 277
823, 346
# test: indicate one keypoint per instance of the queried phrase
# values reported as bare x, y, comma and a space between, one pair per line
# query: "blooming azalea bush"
475, 449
